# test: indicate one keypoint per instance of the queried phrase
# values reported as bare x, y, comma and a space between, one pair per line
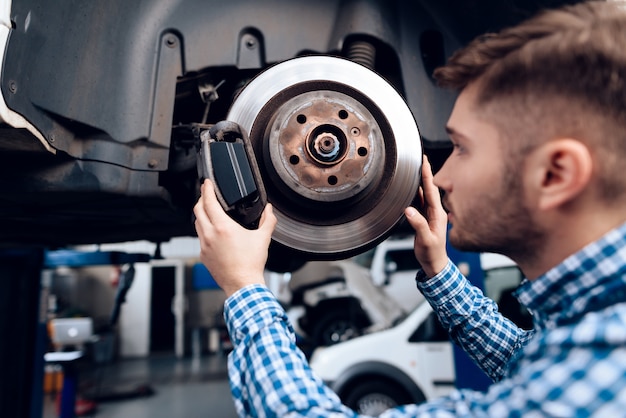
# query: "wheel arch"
379, 370
349, 304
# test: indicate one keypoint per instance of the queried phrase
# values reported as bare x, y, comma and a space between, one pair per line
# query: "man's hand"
234, 255
430, 227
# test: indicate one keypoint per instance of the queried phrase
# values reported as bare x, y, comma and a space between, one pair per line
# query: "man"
539, 133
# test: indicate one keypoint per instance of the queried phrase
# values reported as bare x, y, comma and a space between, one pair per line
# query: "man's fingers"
434, 212
431, 192
209, 210
268, 219
421, 201
416, 220
198, 210
212, 206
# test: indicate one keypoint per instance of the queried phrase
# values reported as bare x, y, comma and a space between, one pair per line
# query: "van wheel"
375, 396
335, 327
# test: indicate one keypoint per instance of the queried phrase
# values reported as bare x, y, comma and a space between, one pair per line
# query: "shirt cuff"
442, 286
249, 309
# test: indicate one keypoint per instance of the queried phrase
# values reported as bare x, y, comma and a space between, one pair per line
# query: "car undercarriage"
101, 101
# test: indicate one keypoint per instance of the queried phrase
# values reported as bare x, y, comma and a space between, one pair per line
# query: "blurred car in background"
333, 301
408, 363
414, 360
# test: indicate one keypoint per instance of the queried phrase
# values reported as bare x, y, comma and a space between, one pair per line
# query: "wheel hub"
325, 146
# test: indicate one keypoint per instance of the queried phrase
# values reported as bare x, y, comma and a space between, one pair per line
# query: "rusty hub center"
326, 146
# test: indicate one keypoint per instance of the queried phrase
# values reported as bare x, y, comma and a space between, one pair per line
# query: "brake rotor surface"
338, 149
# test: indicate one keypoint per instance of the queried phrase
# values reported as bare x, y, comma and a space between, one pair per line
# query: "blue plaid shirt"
573, 364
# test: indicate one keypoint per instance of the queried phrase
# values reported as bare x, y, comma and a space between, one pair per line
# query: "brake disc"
338, 149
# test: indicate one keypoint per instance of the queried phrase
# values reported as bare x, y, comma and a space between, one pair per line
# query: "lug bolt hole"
332, 180
301, 119
294, 160
362, 151
343, 114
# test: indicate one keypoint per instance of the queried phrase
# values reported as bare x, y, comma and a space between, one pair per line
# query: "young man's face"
483, 189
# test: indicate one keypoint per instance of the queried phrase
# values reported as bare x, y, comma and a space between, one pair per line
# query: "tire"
335, 327
374, 396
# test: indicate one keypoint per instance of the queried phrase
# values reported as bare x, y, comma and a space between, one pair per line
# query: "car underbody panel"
107, 94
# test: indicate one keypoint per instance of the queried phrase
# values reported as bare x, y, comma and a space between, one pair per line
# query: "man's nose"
439, 177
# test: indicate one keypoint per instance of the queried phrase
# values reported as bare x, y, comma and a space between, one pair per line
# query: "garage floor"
182, 388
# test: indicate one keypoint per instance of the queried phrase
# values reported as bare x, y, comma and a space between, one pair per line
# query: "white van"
334, 301
410, 362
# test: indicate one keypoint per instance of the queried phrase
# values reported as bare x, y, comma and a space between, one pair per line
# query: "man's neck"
566, 236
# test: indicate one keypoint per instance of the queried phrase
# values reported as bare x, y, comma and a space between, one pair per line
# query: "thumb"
268, 219
416, 220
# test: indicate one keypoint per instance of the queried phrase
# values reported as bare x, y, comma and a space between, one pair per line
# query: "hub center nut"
327, 145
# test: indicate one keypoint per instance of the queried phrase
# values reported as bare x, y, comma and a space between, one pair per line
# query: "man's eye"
458, 149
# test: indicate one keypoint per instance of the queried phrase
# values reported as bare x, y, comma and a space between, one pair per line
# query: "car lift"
23, 324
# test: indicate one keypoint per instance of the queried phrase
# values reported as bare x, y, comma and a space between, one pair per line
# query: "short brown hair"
561, 73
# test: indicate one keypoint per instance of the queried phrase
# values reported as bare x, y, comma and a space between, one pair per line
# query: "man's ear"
562, 169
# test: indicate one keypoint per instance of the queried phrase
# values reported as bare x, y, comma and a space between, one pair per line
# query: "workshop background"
165, 356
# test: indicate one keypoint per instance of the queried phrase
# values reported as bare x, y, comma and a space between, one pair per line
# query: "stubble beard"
499, 223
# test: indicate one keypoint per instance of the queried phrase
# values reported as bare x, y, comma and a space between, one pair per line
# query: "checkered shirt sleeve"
573, 371
269, 375
473, 321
